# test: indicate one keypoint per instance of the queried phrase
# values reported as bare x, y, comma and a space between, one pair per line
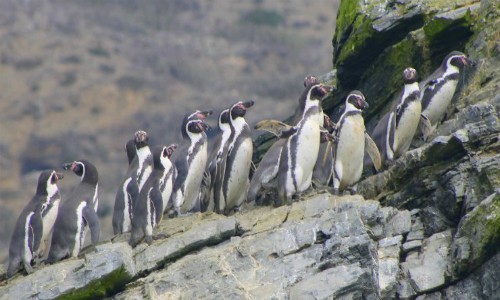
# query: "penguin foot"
335, 191
28, 268
149, 240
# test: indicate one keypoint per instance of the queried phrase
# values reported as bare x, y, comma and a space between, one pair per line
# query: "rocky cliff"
427, 228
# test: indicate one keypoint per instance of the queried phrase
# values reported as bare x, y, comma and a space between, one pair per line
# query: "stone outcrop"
427, 227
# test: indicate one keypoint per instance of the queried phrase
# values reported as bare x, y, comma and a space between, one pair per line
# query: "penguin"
77, 212
140, 167
216, 165
394, 132
154, 197
266, 173
436, 92
301, 150
350, 144
35, 223
235, 181
190, 162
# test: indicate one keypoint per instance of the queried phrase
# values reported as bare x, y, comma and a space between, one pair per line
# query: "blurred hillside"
78, 78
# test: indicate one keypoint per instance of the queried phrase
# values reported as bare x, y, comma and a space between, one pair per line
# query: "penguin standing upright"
394, 132
239, 159
350, 144
265, 175
216, 166
190, 162
76, 213
154, 196
35, 223
140, 167
436, 92
301, 150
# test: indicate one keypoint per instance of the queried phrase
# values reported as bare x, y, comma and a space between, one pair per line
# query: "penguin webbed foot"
149, 240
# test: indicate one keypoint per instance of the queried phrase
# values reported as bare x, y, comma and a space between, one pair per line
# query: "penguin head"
240, 108
456, 59
197, 115
161, 156
310, 81
84, 169
356, 100
196, 127
224, 119
409, 76
47, 182
141, 139
319, 91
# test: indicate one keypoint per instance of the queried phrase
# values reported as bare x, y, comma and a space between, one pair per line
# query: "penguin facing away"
190, 162
301, 150
350, 144
235, 181
436, 92
216, 165
154, 197
394, 132
76, 213
35, 223
139, 169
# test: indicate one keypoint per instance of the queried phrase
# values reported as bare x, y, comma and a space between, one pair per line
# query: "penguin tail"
14, 265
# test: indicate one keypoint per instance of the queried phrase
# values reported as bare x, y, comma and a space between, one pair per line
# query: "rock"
477, 237
207, 233
388, 266
330, 283
97, 275
399, 224
429, 269
412, 245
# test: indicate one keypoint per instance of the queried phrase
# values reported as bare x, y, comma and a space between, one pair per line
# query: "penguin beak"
203, 114
326, 89
248, 104
171, 149
362, 103
68, 166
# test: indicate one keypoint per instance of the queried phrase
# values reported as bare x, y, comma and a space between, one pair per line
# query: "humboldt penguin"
234, 184
216, 165
190, 162
265, 175
154, 197
140, 167
394, 132
35, 223
76, 213
436, 92
350, 144
301, 149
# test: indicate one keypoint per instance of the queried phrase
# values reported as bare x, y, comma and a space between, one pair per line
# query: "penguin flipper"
275, 127
373, 152
132, 192
425, 127
92, 220
220, 172
37, 230
155, 198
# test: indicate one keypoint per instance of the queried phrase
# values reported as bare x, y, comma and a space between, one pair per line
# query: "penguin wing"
425, 127
92, 220
218, 181
267, 169
182, 168
132, 192
275, 127
373, 152
36, 229
155, 197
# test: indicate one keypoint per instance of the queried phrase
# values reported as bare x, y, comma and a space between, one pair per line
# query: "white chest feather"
440, 102
28, 235
238, 175
307, 148
350, 150
406, 127
126, 207
50, 218
195, 175
167, 183
80, 230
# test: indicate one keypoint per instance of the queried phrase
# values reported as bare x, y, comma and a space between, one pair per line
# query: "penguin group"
211, 169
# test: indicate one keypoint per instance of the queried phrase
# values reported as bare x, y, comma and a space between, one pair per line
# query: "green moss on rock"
102, 287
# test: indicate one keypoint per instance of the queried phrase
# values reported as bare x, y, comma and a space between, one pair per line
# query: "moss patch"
100, 288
